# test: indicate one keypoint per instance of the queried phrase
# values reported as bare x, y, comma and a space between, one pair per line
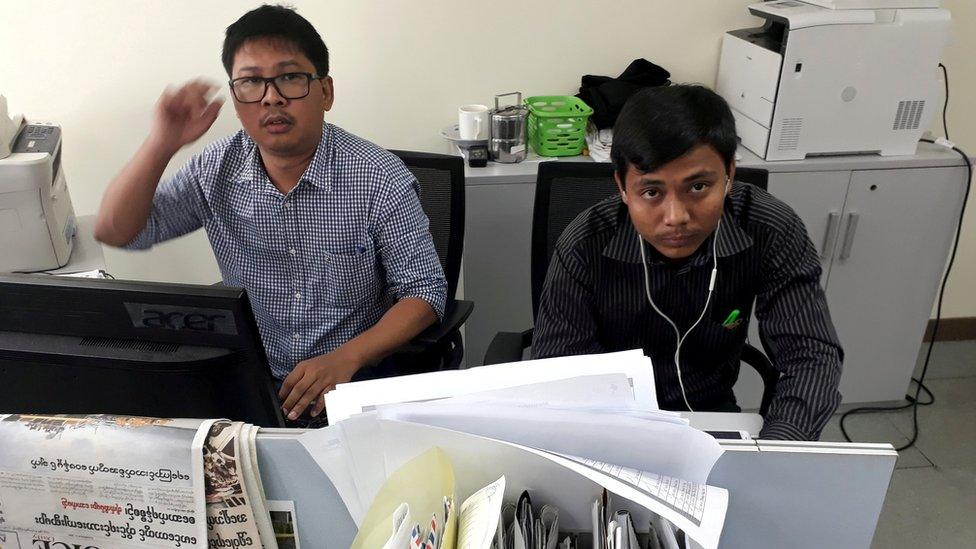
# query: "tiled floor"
932, 497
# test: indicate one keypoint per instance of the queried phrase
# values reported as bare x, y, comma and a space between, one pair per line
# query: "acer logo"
181, 321
169, 317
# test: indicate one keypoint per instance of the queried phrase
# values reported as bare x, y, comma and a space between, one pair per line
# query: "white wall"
960, 298
400, 68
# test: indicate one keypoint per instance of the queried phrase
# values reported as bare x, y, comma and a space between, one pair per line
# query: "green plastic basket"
557, 124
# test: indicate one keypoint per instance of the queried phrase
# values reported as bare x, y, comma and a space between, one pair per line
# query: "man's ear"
731, 177
621, 187
328, 92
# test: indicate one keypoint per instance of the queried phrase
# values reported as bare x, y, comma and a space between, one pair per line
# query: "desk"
880, 294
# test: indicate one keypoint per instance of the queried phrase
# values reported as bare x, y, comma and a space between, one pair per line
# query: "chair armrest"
508, 347
454, 316
770, 376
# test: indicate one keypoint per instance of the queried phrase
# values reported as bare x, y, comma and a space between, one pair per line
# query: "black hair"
277, 22
658, 125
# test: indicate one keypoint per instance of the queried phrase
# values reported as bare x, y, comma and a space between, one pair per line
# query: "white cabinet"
819, 207
883, 236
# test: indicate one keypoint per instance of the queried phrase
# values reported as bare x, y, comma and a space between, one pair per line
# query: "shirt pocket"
351, 276
729, 317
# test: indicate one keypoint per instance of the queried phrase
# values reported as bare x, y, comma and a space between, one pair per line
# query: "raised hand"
183, 114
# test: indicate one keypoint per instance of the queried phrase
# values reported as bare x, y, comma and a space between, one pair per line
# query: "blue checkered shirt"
322, 263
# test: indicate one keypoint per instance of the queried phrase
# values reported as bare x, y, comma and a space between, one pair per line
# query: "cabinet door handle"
852, 218
829, 233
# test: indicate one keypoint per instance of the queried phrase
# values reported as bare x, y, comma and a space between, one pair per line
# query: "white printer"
37, 220
833, 77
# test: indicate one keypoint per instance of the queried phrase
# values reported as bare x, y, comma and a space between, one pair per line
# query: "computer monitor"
87, 346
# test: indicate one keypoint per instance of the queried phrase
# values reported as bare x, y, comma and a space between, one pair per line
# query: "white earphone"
679, 338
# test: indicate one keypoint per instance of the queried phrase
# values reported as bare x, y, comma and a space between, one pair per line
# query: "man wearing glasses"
323, 229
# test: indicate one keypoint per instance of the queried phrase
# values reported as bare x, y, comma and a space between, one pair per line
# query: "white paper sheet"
353, 398
479, 516
329, 449
365, 462
400, 539
597, 391
665, 533
668, 448
697, 509
594, 393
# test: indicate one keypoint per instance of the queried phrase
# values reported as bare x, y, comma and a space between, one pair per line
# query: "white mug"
473, 122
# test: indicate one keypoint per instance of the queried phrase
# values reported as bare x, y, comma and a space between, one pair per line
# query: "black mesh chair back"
563, 191
754, 176
441, 179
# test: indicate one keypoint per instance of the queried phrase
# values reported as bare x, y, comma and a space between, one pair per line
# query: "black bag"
607, 95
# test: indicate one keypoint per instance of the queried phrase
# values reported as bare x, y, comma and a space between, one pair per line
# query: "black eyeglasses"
290, 85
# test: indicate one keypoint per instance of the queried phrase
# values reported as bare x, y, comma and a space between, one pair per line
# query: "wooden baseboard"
953, 329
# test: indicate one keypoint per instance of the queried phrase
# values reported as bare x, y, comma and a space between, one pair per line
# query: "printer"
37, 220
823, 77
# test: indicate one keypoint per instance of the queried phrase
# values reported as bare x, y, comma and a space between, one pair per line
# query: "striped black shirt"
594, 301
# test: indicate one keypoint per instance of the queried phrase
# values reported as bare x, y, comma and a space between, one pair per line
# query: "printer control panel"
38, 138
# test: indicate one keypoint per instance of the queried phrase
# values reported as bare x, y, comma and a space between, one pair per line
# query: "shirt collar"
624, 246
315, 174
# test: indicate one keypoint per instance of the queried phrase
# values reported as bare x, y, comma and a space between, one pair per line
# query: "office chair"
441, 179
563, 191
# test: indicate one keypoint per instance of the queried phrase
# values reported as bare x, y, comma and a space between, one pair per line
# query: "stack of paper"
349, 399
379, 448
483, 521
528, 529
565, 430
622, 434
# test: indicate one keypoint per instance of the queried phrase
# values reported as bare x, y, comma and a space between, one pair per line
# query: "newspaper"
255, 486
101, 481
231, 520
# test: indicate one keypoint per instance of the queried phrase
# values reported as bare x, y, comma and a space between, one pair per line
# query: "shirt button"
296, 335
298, 295
292, 251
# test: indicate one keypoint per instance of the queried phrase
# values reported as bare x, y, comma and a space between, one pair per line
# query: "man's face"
281, 127
677, 206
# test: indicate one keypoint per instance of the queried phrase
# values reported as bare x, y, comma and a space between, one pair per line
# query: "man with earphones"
674, 263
